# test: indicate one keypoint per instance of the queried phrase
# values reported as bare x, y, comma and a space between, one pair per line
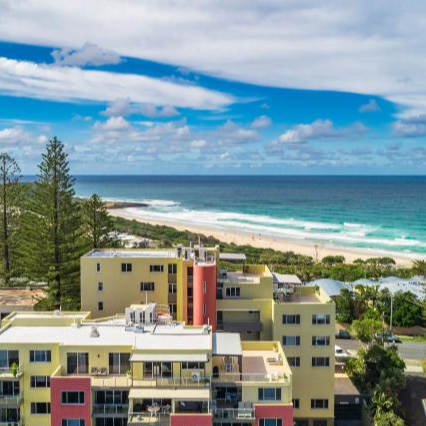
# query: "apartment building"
249, 300
65, 369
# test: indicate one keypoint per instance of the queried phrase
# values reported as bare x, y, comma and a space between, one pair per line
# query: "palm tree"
419, 267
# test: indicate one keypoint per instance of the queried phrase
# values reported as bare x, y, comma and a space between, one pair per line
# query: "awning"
168, 357
196, 394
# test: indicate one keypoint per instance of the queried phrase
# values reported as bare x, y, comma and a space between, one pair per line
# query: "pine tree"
98, 226
52, 229
10, 203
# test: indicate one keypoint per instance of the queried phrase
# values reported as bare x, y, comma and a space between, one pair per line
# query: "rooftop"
154, 337
343, 385
132, 253
286, 279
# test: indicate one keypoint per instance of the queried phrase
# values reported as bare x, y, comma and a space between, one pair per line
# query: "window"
119, 363
40, 408
269, 394
296, 403
100, 306
291, 340
8, 358
100, 286
193, 365
126, 267
318, 319
320, 361
291, 319
73, 422
172, 288
156, 268
232, 291
294, 361
204, 309
40, 381
320, 340
172, 308
40, 356
147, 286
77, 363
98, 267
204, 287
301, 422
110, 421
172, 268
72, 398
319, 403
320, 422
270, 422
109, 397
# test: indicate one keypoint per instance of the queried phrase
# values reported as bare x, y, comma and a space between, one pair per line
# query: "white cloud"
42, 139
364, 47
411, 127
261, 122
22, 78
124, 107
113, 124
319, 129
198, 143
13, 135
370, 106
88, 54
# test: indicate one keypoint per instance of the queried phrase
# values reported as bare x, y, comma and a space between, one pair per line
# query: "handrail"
252, 377
110, 409
16, 372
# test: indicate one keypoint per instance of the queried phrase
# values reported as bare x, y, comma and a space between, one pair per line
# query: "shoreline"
260, 241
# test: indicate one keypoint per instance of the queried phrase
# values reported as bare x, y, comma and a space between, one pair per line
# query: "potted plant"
129, 373
14, 369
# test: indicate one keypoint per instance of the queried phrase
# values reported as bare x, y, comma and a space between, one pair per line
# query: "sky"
216, 87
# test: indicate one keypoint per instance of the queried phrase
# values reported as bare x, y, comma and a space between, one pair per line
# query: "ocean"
386, 213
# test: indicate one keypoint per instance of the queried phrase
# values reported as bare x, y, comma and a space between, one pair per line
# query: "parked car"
392, 338
343, 334
340, 354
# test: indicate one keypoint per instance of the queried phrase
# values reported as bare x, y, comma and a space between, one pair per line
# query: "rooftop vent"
94, 332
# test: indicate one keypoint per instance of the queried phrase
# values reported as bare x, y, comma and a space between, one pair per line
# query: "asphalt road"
406, 350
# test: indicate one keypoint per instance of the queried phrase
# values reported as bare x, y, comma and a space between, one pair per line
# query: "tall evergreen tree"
97, 224
10, 203
52, 229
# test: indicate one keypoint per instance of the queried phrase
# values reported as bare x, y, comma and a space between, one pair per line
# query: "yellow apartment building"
141, 368
252, 301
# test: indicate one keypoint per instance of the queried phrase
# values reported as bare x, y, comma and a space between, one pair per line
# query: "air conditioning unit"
195, 376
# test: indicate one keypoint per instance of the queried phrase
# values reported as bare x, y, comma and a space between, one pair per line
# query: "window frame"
297, 319
126, 267
315, 320
80, 397
230, 290
34, 411
47, 356
147, 286
276, 391
315, 401
78, 354
157, 268
33, 382
316, 340
297, 340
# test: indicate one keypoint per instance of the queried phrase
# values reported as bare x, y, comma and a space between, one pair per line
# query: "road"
406, 350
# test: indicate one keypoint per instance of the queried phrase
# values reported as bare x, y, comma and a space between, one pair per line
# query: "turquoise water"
385, 213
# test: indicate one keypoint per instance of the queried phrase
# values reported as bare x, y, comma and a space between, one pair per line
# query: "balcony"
172, 382
10, 401
243, 413
12, 372
110, 410
12, 423
252, 378
145, 418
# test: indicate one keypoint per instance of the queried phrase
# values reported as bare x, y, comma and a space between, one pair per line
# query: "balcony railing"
243, 414
102, 409
10, 400
251, 378
201, 381
12, 423
142, 418
11, 372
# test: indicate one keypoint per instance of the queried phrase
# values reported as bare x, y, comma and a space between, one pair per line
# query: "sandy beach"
255, 240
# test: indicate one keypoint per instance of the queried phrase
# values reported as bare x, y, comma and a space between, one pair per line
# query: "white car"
340, 354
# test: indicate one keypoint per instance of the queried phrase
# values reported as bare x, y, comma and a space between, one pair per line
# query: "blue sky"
228, 96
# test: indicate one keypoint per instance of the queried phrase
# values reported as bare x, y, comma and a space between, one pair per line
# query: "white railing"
245, 413
252, 378
110, 409
11, 371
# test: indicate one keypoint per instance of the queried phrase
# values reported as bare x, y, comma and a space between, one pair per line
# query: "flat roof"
227, 344
132, 253
343, 385
21, 296
286, 279
167, 338
238, 257
257, 362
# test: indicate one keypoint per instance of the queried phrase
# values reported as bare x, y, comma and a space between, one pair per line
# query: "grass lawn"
413, 339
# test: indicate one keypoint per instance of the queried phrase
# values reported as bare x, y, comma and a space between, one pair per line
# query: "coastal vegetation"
45, 229
378, 372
